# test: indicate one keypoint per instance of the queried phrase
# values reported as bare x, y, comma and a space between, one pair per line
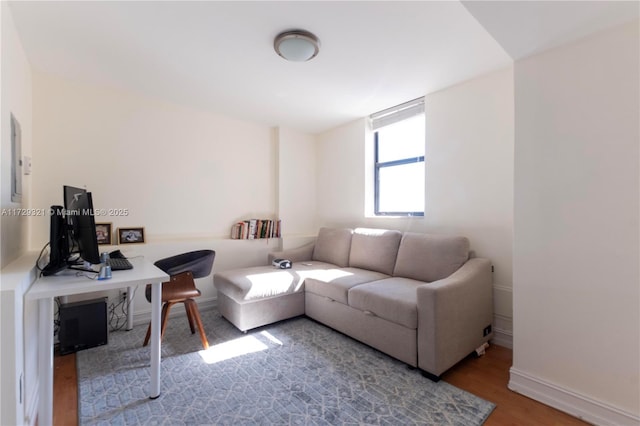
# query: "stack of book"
256, 228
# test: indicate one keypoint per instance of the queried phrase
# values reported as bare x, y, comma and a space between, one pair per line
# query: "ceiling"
535, 26
219, 55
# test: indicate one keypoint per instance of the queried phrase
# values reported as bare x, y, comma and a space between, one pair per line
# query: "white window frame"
385, 118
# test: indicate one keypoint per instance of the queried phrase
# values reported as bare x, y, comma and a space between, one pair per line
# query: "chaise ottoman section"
256, 296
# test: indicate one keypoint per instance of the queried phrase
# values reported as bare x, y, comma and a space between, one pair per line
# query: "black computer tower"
83, 325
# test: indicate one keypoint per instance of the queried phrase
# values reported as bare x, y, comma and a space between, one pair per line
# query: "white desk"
67, 283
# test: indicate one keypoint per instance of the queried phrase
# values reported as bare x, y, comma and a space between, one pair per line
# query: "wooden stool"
180, 289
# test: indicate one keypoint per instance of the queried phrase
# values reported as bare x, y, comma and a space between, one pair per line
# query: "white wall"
296, 182
469, 176
341, 170
576, 250
181, 172
16, 100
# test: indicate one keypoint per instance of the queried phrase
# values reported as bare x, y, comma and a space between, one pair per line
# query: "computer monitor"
85, 231
58, 243
80, 220
71, 211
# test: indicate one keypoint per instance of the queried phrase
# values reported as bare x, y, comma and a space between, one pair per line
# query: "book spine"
252, 228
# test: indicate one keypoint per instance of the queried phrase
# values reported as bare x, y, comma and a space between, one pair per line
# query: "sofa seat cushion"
394, 299
335, 283
260, 282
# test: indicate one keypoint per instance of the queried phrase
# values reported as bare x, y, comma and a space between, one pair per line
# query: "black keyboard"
119, 264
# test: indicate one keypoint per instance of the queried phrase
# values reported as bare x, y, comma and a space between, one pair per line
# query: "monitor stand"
81, 266
52, 269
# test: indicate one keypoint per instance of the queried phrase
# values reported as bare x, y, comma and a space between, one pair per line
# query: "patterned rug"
293, 372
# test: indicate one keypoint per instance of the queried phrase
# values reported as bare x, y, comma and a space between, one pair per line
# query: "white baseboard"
583, 407
502, 331
502, 338
503, 316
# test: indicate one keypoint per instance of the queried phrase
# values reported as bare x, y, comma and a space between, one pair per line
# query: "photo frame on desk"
131, 235
104, 234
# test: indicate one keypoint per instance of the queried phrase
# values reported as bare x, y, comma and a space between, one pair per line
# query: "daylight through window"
399, 159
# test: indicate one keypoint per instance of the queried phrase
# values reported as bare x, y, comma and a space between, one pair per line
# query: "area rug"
293, 372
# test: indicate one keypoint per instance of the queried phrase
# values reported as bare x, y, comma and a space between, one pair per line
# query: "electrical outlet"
486, 331
123, 295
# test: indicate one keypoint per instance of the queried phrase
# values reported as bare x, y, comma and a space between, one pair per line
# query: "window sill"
385, 216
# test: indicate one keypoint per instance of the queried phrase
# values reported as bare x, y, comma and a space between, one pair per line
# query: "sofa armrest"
298, 254
453, 316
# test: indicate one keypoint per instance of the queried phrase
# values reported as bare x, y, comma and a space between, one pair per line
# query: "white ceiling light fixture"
297, 45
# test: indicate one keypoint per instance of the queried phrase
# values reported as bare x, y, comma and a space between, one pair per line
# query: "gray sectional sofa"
419, 298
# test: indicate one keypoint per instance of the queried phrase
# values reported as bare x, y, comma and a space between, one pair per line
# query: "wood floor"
486, 377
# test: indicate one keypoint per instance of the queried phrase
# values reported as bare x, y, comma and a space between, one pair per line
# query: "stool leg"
165, 313
196, 316
189, 317
165, 317
148, 336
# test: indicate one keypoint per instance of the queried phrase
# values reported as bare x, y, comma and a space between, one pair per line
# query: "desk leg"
129, 308
45, 362
156, 306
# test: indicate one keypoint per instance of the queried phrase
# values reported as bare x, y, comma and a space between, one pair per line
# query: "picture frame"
104, 234
131, 235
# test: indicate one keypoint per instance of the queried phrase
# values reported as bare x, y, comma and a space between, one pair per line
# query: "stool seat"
198, 262
181, 288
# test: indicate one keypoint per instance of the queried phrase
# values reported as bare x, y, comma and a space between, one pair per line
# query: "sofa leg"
430, 376
411, 367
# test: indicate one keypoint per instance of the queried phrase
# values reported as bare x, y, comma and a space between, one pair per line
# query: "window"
399, 140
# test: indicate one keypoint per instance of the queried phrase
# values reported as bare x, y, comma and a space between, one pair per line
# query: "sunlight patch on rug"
231, 349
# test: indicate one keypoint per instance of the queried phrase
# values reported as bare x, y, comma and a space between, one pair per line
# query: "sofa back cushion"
333, 246
374, 249
429, 257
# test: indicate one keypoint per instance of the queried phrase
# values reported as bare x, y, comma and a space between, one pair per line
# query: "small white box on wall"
26, 165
